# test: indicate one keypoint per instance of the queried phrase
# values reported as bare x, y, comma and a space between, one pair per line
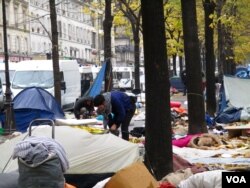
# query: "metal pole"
9, 125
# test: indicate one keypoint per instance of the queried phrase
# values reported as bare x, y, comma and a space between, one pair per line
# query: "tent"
234, 102
91, 157
33, 103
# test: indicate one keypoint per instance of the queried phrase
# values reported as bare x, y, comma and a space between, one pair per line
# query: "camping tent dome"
33, 103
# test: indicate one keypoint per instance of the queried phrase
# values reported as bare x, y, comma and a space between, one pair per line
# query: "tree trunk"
158, 142
220, 30
174, 65
134, 18
209, 7
107, 25
181, 63
196, 109
55, 55
137, 56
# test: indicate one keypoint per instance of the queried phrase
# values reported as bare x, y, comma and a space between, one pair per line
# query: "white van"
125, 77
88, 75
2, 73
89, 72
39, 73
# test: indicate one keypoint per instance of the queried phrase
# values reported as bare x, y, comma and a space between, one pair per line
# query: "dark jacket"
82, 102
121, 104
184, 77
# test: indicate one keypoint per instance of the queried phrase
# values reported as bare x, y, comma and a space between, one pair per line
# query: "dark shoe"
115, 132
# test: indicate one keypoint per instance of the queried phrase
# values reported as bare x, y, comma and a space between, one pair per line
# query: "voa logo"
236, 179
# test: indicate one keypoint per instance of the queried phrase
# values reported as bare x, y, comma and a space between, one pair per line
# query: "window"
1, 41
24, 19
18, 44
93, 44
44, 46
64, 31
43, 79
26, 45
16, 15
7, 11
59, 28
9, 43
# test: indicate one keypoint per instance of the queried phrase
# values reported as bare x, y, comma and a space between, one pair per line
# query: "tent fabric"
33, 103
234, 100
237, 91
87, 153
37, 98
208, 179
229, 115
96, 87
23, 117
73, 122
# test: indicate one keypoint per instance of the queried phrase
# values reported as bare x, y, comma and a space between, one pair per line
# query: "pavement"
180, 98
138, 122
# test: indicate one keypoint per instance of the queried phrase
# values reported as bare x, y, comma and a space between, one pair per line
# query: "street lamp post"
9, 125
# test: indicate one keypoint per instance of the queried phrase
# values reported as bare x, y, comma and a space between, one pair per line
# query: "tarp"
87, 153
237, 91
194, 155
242, 72
96, 87
234, 101
33, 103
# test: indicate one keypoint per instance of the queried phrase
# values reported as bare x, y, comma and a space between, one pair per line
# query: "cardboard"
234, 131
133, 176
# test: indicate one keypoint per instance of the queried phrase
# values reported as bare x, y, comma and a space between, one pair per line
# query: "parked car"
177, 83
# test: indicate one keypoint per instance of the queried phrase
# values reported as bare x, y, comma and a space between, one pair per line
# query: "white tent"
87, 153
237, 91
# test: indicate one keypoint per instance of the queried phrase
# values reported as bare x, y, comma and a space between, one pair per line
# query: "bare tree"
134, 17
107, 25
209, 7
55, 55
196, 109
158, 126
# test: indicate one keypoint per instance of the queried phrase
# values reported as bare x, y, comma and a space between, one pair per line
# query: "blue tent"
33, 103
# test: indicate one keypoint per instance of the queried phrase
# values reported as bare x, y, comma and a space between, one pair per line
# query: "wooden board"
234, 131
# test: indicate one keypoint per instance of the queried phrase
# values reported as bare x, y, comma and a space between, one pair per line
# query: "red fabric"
175, 104
179, 110
183, 142
166, 185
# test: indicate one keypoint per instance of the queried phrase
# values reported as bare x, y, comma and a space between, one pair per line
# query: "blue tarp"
96, 87
33, 103
242, 72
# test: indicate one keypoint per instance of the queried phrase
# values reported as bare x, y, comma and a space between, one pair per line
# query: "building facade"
80, 34
18, 30
77, 31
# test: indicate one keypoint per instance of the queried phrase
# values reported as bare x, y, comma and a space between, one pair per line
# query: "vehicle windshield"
23, 79
122, 75
2, 76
